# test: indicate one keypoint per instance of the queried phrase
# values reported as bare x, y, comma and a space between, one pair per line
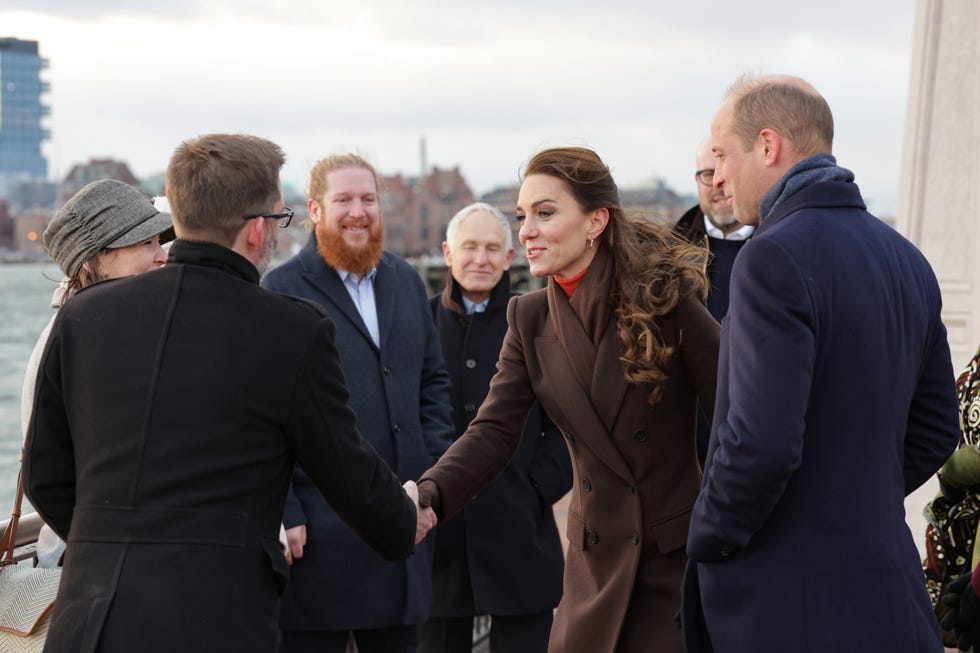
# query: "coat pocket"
670, 533
277, 561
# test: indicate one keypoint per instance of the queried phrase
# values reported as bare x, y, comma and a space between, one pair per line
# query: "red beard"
341, 256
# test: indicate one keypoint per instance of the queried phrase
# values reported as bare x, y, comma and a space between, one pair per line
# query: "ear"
597, 222
510, 255
255, 232
446, 254
771, 144
314, 208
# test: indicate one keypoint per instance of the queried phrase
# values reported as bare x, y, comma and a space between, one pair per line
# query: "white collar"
742, 233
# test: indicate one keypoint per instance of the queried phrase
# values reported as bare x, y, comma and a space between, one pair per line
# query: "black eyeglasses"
706, 176
284, 217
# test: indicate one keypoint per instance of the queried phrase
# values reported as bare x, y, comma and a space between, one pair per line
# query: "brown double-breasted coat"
636, 475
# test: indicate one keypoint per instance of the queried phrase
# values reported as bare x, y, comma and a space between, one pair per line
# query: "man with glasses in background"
712, 224
170, 410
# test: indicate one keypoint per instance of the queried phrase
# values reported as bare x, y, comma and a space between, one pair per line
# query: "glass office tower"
21, 111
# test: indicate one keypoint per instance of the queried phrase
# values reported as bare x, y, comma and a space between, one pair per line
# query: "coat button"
387, 370
396, 428
632, 490
635, 538
640, 435
587, 484
469, 408
727, 551
591, 537
471, 363
569, 437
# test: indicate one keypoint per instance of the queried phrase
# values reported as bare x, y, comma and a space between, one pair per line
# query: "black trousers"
514, 634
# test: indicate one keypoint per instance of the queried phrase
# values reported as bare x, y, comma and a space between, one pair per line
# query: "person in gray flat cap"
107, 230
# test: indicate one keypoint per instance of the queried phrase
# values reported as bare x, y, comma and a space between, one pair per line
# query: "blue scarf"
809, 171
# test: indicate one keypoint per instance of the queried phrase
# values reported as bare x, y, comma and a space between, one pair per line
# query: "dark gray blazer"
400, 394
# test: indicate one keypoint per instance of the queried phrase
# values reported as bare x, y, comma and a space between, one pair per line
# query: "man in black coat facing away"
170, 409
501, 556
712, 224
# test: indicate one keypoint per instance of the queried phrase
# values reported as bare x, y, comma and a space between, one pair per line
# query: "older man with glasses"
712, 223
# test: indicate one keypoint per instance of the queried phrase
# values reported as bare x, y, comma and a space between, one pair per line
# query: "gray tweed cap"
106, 214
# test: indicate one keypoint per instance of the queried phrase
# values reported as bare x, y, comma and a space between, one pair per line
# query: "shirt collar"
472, 307
742, 233
350, 277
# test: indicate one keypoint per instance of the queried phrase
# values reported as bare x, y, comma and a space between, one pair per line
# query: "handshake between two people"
294, 539
426, 518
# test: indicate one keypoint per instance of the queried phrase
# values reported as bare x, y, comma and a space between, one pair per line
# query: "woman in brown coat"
618, 349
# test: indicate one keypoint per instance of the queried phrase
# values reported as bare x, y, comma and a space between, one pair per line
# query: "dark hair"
653, 267
214, 180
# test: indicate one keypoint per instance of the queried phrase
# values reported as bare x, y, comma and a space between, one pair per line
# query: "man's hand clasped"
426, 517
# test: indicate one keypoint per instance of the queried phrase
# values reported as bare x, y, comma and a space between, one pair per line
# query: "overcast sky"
486, 83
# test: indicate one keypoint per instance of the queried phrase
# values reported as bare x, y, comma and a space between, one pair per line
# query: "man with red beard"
400, 392
712, 224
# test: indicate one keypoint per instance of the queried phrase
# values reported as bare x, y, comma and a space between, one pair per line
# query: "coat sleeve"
354, 480
494, 435
699, 349
933, 430
49, 454
758, 444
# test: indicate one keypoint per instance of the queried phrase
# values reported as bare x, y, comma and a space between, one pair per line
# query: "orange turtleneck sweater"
570, 285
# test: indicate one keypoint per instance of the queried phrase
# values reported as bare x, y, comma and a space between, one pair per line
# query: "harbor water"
25, 307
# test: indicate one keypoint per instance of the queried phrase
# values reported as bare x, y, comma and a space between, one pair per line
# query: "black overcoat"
505, 541
169, 410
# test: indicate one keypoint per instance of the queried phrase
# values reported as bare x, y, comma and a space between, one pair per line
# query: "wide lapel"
385, 291
609, 384
576, 342
576, 404
324, 281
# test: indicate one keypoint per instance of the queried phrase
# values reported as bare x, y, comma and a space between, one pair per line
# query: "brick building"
82, 174
416, 211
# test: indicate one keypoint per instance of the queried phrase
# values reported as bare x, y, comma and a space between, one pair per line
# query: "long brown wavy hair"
653, 266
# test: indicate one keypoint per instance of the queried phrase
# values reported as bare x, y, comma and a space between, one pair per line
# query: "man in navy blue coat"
835, 400
399, 391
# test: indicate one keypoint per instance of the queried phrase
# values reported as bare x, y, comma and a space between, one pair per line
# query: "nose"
719, 177
528, 230
356, 208
159, 254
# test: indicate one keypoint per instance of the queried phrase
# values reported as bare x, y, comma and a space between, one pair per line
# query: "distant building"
21, 112
28, 227
83, 174
416, 211
6, 226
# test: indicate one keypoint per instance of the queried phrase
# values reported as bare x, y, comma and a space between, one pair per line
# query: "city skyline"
486, 86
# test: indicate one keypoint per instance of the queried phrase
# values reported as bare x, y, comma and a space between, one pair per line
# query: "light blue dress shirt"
361, 291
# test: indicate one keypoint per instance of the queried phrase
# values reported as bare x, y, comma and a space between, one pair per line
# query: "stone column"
938, 200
